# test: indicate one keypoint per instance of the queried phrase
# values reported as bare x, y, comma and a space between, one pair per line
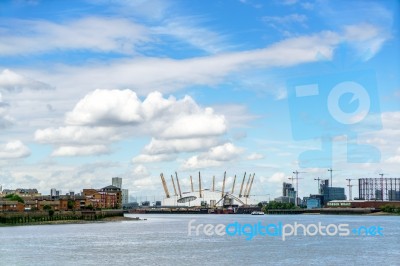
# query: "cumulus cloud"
103, 107
104, 116
13, 150
278, 177
146, 158
214, 157
165, 146
13, 82
5, 119
80, 151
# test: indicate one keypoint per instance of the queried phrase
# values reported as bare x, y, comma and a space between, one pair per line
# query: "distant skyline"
91, 90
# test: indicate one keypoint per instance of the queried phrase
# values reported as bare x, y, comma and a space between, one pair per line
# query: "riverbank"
61, 217
101, 220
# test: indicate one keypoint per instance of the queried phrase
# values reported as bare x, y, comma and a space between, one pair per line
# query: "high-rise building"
117, 182
288, 194
331, 193
125, 196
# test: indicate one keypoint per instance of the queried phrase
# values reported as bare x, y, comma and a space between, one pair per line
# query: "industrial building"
385, 189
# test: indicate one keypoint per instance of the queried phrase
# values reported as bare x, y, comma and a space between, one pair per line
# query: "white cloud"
147, 182
292, 18
149, 9
196, 162
278, 177
11, 81
164, 74
366, 38
255, 156
214, 157
196, 125
81, 151
184, 29
105, 107
14, 150
76, 135
394, 159
92, 33
236, 115
140, 170
225, 152
104, 116
5, 119
165, 146
145, 158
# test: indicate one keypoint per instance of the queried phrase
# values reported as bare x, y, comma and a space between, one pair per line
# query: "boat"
257, 213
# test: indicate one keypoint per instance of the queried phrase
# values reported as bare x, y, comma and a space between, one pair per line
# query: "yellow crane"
233, 186
179, 187
164, 185
191, 183
223, 185
241, 187
247, 186
251, 184
173, 184
199, 186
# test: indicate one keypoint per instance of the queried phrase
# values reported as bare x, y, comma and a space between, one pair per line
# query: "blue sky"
101, 88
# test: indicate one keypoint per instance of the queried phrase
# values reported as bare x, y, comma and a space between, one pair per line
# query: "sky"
94, 89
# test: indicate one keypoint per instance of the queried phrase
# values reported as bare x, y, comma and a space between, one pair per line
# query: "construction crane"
331, 170
200, 186
173, 184
241, 187
318, 179
350, 187
164, 185
177, 183
297, 183
223, 184
233, 186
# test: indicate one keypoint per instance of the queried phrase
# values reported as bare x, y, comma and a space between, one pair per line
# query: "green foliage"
274, 205
47, 207
390, 209
51, 212
89, 207
70, 204
14, 197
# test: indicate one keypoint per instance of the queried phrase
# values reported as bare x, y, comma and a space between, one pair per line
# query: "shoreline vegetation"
101, 220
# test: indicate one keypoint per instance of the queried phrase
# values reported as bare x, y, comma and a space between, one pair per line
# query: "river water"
165, 240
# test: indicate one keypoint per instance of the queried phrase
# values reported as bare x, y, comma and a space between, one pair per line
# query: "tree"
70, 204
14, 197
47, 207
